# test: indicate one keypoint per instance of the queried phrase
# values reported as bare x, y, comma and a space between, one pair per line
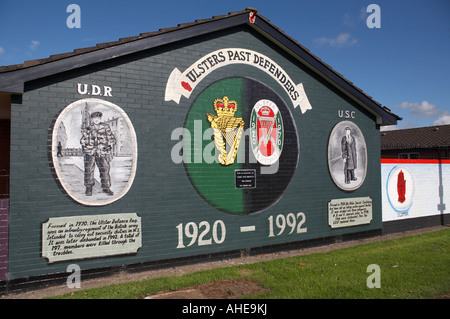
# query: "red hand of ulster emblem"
401, 187
186, 86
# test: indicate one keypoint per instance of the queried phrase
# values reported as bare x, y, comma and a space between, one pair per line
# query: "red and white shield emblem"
266, 132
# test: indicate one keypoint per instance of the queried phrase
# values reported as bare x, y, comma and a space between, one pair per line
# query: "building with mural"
415, 171
207, 139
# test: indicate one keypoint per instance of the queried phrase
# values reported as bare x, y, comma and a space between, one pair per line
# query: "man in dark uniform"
348, 148
97, 141
59, 147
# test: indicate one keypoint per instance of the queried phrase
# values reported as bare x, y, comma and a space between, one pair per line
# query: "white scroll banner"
182, 84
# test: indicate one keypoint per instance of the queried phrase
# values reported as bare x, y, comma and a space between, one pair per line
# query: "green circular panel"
240, 146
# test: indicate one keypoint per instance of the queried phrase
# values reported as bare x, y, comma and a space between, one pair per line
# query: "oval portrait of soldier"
347, 156
94, 151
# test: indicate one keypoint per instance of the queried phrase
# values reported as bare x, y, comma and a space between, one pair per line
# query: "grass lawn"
409, 267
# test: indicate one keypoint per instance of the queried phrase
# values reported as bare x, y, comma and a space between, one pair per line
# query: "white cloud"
2, 50
363, 14
426, 109
348, 20
423, 109
443, 119
34, 44
342, 40
352, 19
400, 126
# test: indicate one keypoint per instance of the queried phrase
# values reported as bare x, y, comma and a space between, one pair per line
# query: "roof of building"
13, 77
416, 138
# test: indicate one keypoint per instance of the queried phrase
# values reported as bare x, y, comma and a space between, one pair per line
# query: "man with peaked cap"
97, 142
348, 148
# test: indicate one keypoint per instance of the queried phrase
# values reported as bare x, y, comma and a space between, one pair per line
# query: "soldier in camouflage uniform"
97, 142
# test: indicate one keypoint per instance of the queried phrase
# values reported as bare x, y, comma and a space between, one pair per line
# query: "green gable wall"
163, 193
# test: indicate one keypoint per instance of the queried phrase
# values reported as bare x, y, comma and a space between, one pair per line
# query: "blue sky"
404, 64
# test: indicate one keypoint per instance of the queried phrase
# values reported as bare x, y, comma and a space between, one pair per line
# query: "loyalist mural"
414, 192
210, 138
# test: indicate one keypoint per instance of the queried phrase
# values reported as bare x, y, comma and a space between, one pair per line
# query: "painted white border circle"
352, 186
391, 189
73, 195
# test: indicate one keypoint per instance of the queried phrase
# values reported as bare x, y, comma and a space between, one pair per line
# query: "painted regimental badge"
227, 129
266, 132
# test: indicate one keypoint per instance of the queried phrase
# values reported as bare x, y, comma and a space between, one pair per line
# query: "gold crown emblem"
225, 107
227, 129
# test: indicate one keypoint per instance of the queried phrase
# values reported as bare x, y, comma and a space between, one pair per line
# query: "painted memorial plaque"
81, 237
348, 212
347, 156
94, 151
